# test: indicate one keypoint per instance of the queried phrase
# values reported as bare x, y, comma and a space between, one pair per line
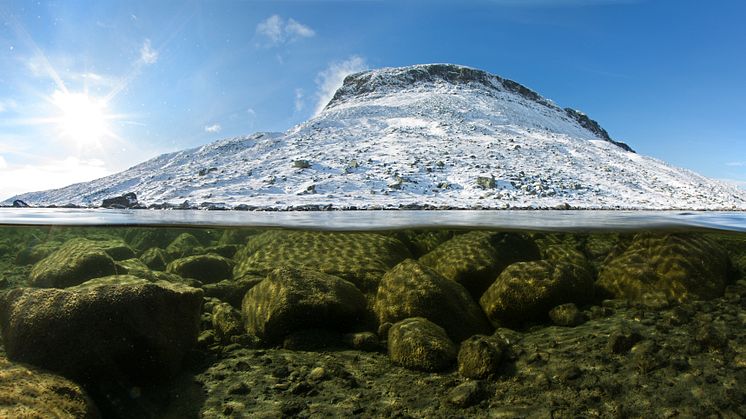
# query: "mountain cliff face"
434, 135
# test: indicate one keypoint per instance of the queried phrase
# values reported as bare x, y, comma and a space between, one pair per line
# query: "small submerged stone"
466, 394
567, 315
480, 356
420, 344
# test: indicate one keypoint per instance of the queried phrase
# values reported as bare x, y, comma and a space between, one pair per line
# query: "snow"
393, 143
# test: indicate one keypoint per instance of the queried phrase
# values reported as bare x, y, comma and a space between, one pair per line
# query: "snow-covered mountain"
427, 135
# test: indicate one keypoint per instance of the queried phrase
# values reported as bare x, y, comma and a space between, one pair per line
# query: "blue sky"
667, 77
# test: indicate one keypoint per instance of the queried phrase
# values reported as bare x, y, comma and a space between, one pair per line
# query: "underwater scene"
257, 322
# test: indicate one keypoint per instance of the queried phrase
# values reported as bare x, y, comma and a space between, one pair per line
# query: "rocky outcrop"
595, 128
128, 200
371, 82
112, 328
292, 299
412, 290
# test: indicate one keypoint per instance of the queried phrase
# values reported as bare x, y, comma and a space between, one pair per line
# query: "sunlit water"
382, 220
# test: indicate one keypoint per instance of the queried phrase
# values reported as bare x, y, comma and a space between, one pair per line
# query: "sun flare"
83, 118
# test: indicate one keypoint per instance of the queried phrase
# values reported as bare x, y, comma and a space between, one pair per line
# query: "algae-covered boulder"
155, 258
474, 259
231, 291
32, 254
145, 238
184, 245
735, 247
421, 242
132, 266
112, 328
26, 392
207, 268
412, 290
480, 356
361, 258
526, 291
135, 267
116, 248
238, 236
75, 262
291, 299
678, 267
224, 250
226, 321
420, 344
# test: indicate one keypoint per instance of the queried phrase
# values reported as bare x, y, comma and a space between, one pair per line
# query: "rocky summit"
424, 136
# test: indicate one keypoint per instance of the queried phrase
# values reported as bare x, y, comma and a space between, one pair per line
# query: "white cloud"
299, 103
7, 105
213, 128
736, 163
147, 54
297, 29
278, 31
251, 112
17, 179
329, 80
3, 163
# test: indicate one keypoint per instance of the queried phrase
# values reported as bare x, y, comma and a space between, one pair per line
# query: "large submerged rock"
677, 267
412, 290
75, 262
526, 291
361, 258
26, 392
476, 258
117, 327
208, 268
290, 300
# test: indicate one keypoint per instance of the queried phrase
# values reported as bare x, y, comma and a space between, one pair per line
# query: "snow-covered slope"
428, 135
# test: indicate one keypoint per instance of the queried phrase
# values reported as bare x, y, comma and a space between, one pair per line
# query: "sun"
83, 119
